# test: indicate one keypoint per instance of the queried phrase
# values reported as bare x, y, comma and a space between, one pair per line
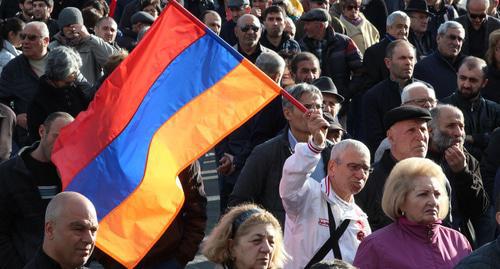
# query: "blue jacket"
442, 76
485, 257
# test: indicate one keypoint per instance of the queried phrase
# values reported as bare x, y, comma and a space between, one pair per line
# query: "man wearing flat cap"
139, 21
335, 130
406, 129
237, 8
339, 57
92, 49
419, 34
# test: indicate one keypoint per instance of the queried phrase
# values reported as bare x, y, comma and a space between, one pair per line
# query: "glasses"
254, 28
355, 167
422, 101
313, 106
353, 7
454, 37
481, 16
30, 37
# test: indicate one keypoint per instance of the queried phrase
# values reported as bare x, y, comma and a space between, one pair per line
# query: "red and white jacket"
304, 200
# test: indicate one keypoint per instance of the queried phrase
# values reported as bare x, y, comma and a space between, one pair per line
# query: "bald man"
69, 234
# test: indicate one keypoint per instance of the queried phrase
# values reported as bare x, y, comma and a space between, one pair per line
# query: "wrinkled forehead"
421, 92
448, 116
248, 20
353, 155
32, 29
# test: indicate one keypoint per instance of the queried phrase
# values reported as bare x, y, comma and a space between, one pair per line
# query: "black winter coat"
442, 76
481, 117
184, 235
376, 102
72, 100
370, 198
491, 25
22, 211
373, 63
469, 199
492, 89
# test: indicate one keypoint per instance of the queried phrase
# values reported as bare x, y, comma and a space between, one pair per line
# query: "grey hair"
436, 114
391, 19
405, 94
443, 28
41, 26
298, 90
62, 62
240, 20
339, 148
270, 63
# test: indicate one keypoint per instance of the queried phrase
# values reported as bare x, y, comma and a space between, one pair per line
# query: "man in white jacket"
322, 220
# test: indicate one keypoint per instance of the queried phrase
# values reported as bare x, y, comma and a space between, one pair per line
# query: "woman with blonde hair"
492, 89
415, 198
247, 237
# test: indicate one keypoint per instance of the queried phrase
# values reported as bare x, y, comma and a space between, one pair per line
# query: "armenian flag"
177, 95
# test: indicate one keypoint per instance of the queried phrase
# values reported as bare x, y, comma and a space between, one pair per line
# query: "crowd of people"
394, 165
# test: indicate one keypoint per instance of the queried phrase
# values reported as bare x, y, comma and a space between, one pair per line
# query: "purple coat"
405, 244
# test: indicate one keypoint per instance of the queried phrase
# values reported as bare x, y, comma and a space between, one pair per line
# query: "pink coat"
405, 244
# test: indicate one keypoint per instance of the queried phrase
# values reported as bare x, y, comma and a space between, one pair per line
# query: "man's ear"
49, 230
387, 63
41, 131
287, 112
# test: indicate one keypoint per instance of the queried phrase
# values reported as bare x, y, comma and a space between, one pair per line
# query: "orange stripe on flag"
180, 141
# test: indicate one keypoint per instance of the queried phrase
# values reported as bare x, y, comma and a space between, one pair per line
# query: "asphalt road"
209, 176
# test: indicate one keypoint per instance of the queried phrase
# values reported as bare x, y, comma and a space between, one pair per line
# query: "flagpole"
294, 101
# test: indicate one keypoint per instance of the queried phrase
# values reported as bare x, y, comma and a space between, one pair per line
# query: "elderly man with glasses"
478, 26
19, 79
323, 213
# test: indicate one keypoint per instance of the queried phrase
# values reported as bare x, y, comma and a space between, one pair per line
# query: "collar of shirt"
349, 210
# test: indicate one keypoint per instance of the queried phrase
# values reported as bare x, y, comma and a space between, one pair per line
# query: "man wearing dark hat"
238, 8
139, 20
406, 129
92, 49
419, 34
339, 57
41, 12
335, 130
331, 98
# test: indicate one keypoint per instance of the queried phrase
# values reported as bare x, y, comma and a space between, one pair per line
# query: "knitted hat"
68, 16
